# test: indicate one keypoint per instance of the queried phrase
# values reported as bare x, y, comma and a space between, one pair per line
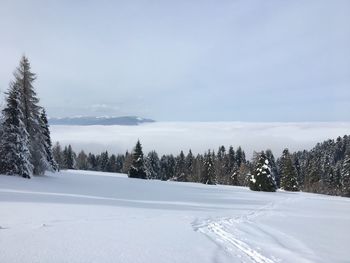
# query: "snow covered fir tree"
14, 145
137, 169
345, 176
152, 165
262, 179
25, 145
208, 173
289, 180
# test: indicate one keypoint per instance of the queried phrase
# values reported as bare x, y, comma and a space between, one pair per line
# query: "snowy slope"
77, 216
172, 137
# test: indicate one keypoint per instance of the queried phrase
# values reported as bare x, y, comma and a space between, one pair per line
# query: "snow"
79, 216
172, 137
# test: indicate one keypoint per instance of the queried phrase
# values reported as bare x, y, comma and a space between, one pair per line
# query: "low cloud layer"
172, 137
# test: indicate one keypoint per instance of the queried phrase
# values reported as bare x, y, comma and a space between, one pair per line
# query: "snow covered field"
77, 216
172, 137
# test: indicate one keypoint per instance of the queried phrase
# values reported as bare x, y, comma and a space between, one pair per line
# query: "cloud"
172, 137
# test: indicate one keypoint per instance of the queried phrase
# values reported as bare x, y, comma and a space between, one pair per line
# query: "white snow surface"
79, 216
172, 137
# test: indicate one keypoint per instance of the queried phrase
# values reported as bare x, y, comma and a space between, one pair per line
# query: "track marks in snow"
222, 230
216, 230
233, 234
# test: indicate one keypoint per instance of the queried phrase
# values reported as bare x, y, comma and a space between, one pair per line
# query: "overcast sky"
199, 60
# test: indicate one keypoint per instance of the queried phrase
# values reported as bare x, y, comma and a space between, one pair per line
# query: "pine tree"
137, 169
163, 163
180, 168
92, 162
82, 161
47, 141
273, 165
240, 156
58, 156
208, 173
103, 162
152, 165
345, 176
197, 168
220, 165
15, 157
112, 164
24, 79
261, 179
189, 166
68, 157
231, 160
289, 180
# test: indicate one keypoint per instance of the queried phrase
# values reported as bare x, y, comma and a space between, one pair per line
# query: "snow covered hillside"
172, 137
77, 216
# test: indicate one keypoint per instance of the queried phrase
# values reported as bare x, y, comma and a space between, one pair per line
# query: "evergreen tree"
313, 171
231, 160
234, 174
163, 167
234, 161
68, 157
289, 180
345, 176
112, 164
220, 165
180, 168
152, 164
167, 167
15, 157
24, 79
171, 162
47, 141
82, 161
240, 156
208, 173
92, 162
137, 169
261, 179
58, 156
198, 167
189, 166
103, 162
335, 182
273, 165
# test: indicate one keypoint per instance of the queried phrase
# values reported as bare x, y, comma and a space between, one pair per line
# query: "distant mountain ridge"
85, 120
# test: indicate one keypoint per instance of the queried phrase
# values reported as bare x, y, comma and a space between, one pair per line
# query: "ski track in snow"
229, 241
219, 231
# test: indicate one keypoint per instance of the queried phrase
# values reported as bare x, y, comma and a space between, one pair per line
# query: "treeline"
324, 169
222, 167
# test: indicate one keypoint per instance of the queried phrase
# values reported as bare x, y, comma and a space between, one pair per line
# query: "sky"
184, 60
